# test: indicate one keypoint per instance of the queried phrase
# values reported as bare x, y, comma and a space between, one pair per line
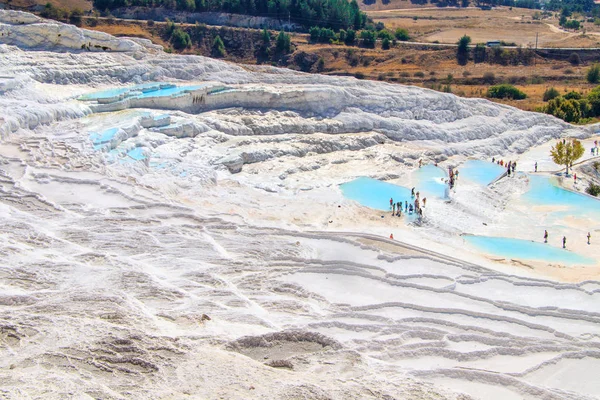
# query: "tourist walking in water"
564, 242
391, 202
589, 236
545, 236
424, 201
412, 192
393, 209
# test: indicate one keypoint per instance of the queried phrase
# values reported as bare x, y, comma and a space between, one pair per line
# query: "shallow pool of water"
544, 190
137, 154
168, 91
525, 250
374, 193
123, 91
480, 172
429, 180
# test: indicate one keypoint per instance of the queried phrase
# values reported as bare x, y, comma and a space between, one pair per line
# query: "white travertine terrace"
179, 248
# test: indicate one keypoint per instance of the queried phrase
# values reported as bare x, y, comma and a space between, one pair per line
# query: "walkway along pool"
525, 250
480, 172
375, 194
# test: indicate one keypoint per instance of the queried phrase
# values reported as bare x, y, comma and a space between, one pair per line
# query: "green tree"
266, 37
462, 51
401, 34
180, 39
565, 153
350, 37
368, 38
385, 44
550, 94
283, 43
593, 74
218, 48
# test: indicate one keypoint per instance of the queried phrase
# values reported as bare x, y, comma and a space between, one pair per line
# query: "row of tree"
334, 14
573, 106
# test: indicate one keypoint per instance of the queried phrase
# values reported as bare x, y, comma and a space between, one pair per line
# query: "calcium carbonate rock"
28, 31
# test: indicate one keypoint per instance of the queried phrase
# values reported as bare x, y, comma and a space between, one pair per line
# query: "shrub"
180, 39
385, 44
536, 80
359, 75
466, 74
550, 94
572, 24
489, 78
572, 95
505, 91
593, 74
574, 59
75, 17
593, 189
320, 64
404, 74
368, 38
419, 74
569, 71
350, 37
401, 34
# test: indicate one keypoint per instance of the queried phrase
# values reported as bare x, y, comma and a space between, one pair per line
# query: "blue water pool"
168, 91
110, 93
373, 193
429, 180
481, 172
525, 250
137, 154
544, 190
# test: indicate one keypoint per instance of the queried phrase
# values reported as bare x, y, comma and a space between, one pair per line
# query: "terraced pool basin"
526, 250
374, 193
480, 172
429, 180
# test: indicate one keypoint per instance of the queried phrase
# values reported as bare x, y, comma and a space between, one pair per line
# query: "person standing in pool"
564, 242
393, 209
536, 166
399, 206
391, 202
412, 192
545, 236
405, 206
514, 167
589, 236
424, 201
493, 159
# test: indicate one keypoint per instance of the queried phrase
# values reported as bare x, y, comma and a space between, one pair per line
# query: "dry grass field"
516, 25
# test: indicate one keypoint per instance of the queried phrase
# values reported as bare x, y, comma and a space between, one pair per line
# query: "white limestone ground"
171, 277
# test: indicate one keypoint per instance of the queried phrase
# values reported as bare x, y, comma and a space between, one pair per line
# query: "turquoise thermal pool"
525, 250
430, 181
544, 190
374, 194
480, 172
